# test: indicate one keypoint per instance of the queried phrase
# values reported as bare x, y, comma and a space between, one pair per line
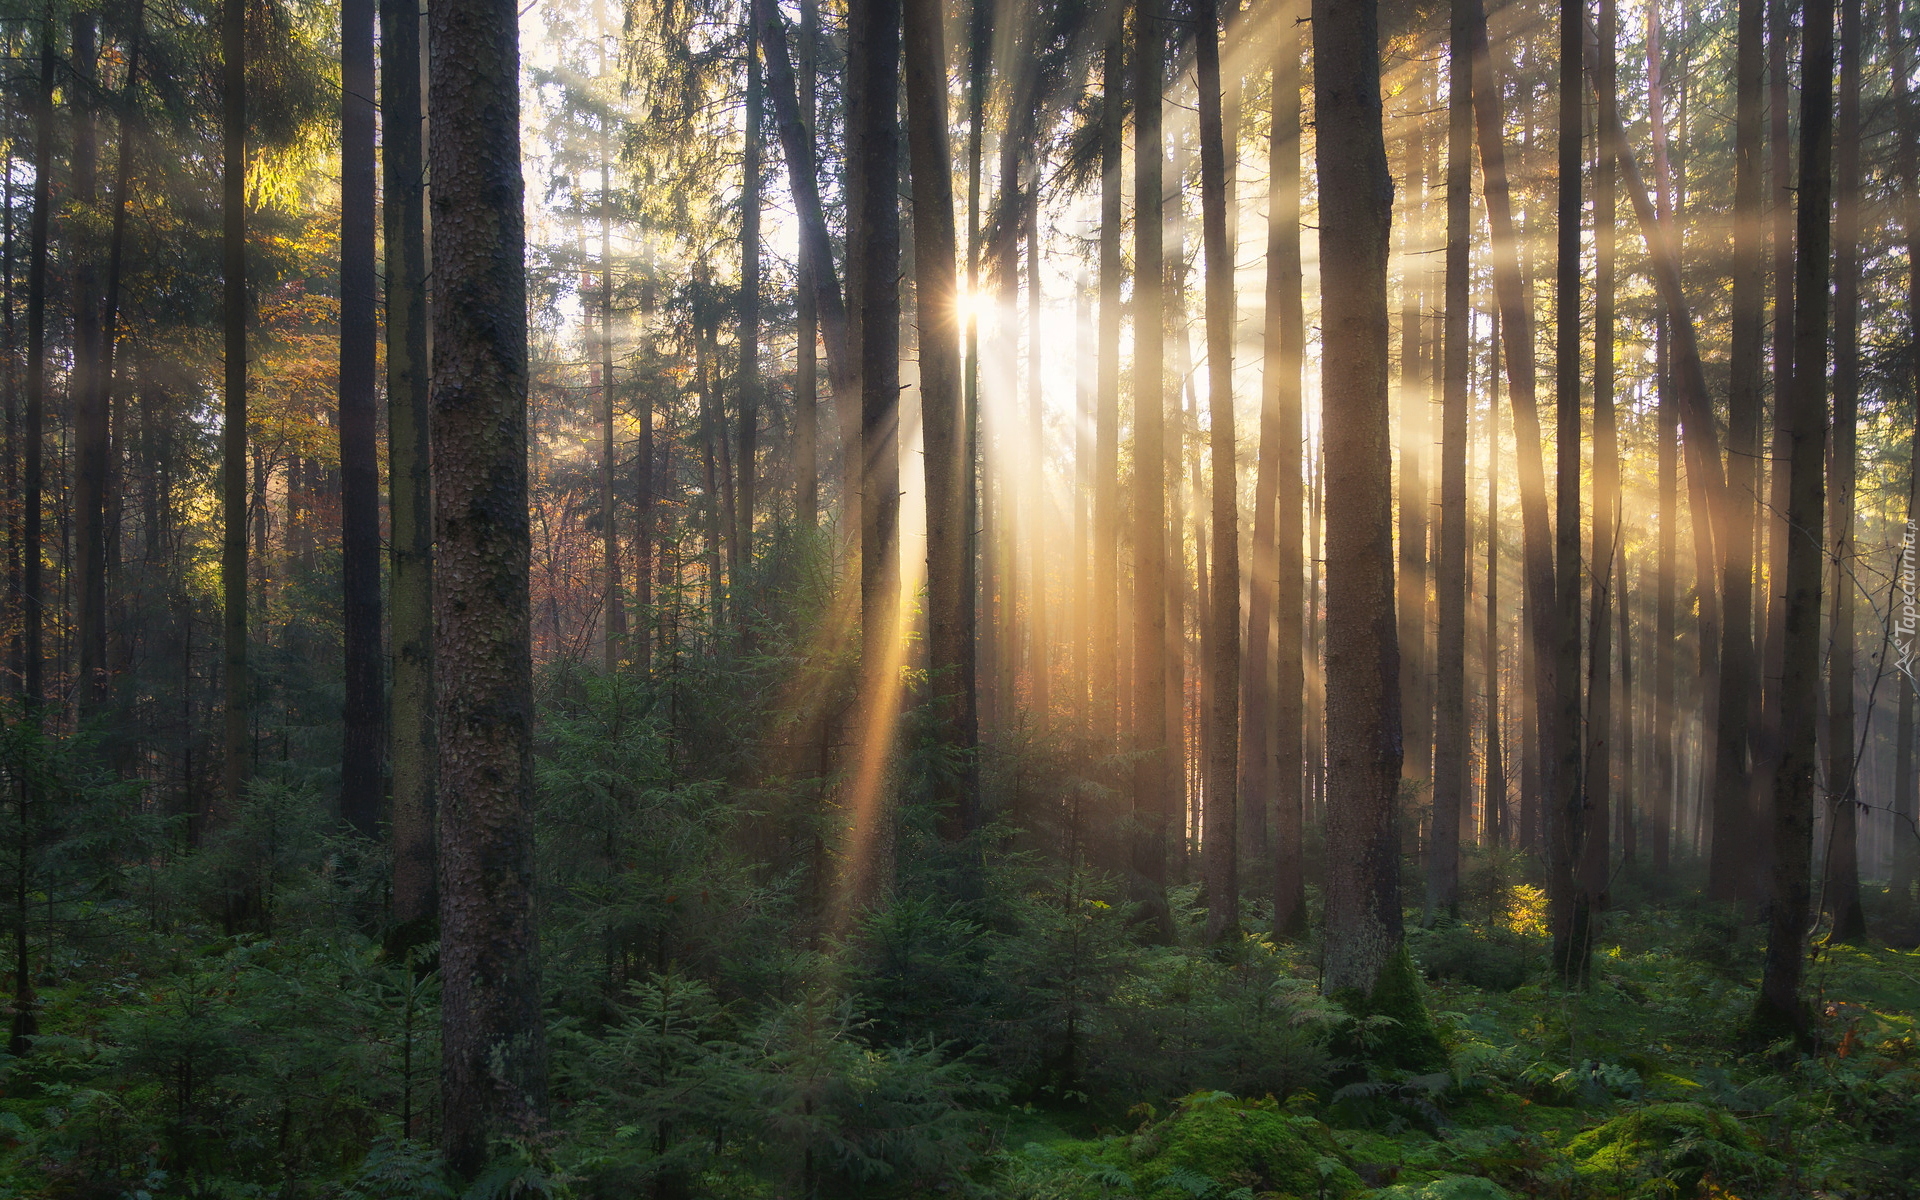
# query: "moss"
1653, 1150
1448, 1187
1234, 1144
1409, 1042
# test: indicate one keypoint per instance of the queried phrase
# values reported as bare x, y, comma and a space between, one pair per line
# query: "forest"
1048, 600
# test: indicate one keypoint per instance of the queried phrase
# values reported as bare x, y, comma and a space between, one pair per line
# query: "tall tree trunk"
1106, 496
1277, 601
1667, 567
614, 594
942, 415
409, 469
1415, 492
1841, 885
1153, 769
233, 438
1220, 833
10, 380
1498, 822
493, 1072
806, 372
89, 398
1906, 844
1781, 1006
750, 381
1732, 859
1513, 292
1037, 619
873, 87
119, 635
1573, 913
1363, 669
1451, 735
363, 731
1595, 864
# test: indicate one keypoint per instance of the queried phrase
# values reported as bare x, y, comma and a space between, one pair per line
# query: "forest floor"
1647, 1084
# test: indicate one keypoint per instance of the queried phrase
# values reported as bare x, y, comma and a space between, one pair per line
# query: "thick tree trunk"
1153, 769
873, 89
493, 1043
1906, 835
1781, 1006
1363, 668
1221, 815
1572, 911
1416, 495
1276, 608
1841, 885
1451, 735
233, 437
1596, 838
1498, 823
409, 469
750, 382
363, 730
942, 415
1732, 860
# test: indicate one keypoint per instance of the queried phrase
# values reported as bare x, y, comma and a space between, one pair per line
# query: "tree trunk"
1450, 651
1221, 816
233, 438
873, 86
363, 730
1906, 835
942, 416
1415, 493
1106, 495
89, 397
1277, 600
1572, 911
1781, 1007
750, 381
1596, 837
1037, 618
1498, 822
409, 469
1153, 769
613, 601
1841, 886
1732, 858
1363, 693
493, 1072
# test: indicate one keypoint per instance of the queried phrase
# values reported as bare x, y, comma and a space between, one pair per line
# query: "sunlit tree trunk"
1153, 769
1450, 650
1842, 866
943, 417
233, 438
1498, 824
1781, 1006
613, 596
1573, 912
1732, 859
1414, 435
1276, 601
409, 467
1906, 836
363, 732
750, 386
1363, 929
1106, 496
806, 371
1037, 534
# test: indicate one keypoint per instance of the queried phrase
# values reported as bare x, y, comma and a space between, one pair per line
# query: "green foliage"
1667, 1148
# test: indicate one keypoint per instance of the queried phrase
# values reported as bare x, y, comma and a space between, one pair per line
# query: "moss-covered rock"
1669, 1149
1213, 1144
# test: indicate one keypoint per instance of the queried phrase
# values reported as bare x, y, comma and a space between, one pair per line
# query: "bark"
1363, 929
493, 1045
1572, 911
1781, 1005
1037, 620
1106, 496
1450, 650
942, 415
89, 397
363, 730
1841, 886
1153, 769
1497, 822
873, 85
751, 384
1277, 602
233, 437
1415, 493
614, 597
1596, 850
806, 372
409, 468
1906, 834
1665, 709
1732, 856
1221, 816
